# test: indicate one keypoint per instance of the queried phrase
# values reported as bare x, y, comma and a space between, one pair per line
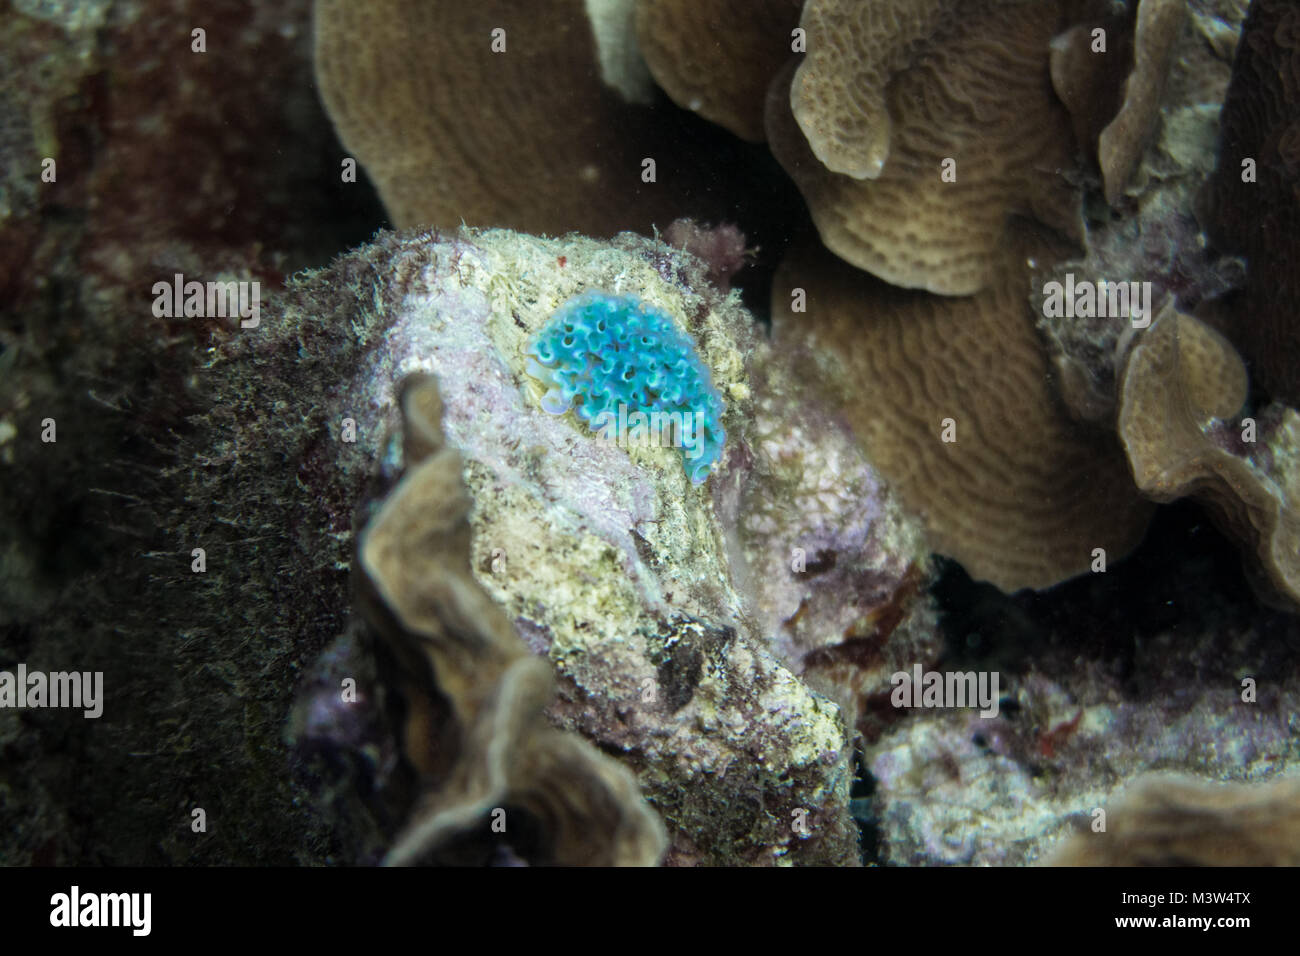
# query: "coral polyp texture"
628, 371
890, 98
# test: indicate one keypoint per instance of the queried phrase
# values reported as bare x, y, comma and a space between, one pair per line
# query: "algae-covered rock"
679, 617
128, 156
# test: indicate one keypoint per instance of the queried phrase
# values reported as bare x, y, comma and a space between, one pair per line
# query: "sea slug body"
626, 370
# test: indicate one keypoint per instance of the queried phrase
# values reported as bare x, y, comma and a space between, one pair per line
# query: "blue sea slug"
629, 373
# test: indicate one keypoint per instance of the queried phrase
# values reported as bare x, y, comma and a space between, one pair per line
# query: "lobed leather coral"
497, 750
1167, 819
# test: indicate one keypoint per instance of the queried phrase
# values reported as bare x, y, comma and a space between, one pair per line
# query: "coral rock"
672, 613
1085, 714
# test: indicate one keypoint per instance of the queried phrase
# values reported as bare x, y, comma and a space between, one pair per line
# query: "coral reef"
672, 624
612, 566
1161, 664
1174, 388
983, 319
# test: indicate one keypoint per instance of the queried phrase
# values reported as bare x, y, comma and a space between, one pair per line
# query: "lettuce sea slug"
629, 373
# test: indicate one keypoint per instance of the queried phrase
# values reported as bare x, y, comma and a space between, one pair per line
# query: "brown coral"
450, 130
502, 753
717, 57
1125, 139
1022, 496
958, 130
838, 93
1176, 820
1157, 239
1088, 79
1179, 379
1258, 216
